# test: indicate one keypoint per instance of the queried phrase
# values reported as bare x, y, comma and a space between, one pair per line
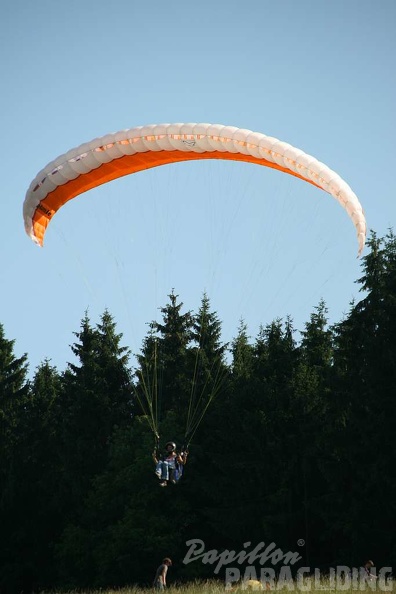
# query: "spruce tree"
173, 335
16, 571
242, 354
98, 398
366, 373
43, 501
208, 362
13, 394
312, 401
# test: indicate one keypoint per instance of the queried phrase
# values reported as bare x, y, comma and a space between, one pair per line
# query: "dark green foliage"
164, 361
13, 393
207, 359
98, 397
296, 443
16, 566
365, 368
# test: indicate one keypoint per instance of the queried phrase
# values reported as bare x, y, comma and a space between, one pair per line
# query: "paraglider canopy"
129, 151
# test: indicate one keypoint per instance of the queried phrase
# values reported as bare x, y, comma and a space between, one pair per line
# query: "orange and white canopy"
129, 151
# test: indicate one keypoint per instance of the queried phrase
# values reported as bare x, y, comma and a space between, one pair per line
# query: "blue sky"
317, 74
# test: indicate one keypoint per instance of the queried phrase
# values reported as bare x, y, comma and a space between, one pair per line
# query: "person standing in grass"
367, 571
160, 575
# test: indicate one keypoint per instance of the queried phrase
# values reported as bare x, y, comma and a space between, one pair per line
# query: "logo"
303, 579
259, 554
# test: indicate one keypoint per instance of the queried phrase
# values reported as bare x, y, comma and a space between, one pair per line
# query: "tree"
366, 373
14, 392
165, 358
16, 572
242, 354
314, 432
98, 396
208, 361
42, 503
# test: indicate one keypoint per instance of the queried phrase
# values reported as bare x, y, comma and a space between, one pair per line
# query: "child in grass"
160, 575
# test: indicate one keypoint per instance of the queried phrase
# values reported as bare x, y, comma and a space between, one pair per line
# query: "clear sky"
318, 74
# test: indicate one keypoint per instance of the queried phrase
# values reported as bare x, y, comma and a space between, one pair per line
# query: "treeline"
297, 446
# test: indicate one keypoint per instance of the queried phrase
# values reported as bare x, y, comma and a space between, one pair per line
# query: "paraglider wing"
115, 155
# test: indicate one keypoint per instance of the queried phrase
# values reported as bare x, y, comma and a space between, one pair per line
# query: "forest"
291, 441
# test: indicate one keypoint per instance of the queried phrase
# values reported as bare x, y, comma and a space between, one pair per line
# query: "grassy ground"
308, 585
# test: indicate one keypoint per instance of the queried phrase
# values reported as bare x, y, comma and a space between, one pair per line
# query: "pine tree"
15, 572
98, 398
366, 373
42, 500
116, 376
312, 401
242, 354
13, 393
171, 361
208, 361
148, 382
278, 426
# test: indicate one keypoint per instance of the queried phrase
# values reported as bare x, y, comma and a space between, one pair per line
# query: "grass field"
217, 587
